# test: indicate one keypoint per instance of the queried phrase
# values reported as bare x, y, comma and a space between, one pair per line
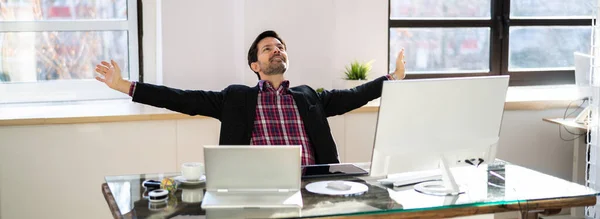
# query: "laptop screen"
252, 167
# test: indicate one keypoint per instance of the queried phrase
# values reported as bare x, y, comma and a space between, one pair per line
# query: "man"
271, 113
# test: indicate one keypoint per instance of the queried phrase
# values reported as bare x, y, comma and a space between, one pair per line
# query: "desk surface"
568, 122
498, 187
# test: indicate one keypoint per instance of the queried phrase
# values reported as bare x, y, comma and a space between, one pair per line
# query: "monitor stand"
445, 187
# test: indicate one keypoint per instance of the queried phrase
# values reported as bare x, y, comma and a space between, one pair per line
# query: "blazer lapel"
304, 105
251, 102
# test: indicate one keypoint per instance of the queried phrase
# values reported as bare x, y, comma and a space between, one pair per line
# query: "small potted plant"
357, 73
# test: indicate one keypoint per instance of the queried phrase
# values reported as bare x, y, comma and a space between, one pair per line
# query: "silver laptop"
252, 177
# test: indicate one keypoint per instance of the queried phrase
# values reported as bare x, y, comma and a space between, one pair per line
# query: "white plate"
184, 181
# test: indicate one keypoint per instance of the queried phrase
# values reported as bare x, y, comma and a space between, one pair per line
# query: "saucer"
190, 182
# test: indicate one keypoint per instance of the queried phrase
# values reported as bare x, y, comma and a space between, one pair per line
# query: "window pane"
44, 10
43, 56
438, 50
451, 9
552, 8
536, 48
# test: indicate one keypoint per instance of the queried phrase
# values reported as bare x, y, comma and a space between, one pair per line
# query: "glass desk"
498, 187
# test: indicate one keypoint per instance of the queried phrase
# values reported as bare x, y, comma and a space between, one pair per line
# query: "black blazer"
235, 107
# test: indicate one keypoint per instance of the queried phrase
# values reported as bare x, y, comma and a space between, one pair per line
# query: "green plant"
357, 70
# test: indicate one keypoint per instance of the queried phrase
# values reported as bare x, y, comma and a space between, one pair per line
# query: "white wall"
56, 171
205, 43
361, 34
198, 44
527, 141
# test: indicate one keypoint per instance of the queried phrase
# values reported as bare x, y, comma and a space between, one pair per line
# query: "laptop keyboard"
250, 199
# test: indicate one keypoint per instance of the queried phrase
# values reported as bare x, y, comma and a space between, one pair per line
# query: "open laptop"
252, 177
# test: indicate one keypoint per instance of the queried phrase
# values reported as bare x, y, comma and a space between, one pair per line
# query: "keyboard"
239, 198
252, 199
410, 178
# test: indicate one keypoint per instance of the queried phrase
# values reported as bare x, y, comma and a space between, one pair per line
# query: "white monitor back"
247, 168
420, 120
583, 69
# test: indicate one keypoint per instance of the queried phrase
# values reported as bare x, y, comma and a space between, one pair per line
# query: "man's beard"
275, 68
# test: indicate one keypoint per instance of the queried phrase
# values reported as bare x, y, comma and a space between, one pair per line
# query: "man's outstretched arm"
207, 103
338, 102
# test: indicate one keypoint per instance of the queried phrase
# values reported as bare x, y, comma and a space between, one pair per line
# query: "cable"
565, 117
524, 214
571, 139
578, 107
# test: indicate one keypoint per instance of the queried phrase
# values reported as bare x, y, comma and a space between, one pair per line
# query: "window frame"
84, 89
499, 23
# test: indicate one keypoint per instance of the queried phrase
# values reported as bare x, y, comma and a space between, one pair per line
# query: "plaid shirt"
278, 121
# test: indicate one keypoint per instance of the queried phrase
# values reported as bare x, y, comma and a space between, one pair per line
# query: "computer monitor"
583, 68
438, 123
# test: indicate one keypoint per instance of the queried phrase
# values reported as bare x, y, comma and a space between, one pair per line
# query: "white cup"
192, 171
192, 195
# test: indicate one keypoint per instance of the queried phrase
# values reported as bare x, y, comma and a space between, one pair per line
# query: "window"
533, 41
49, 48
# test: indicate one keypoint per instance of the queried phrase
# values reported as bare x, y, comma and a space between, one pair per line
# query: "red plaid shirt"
278, 121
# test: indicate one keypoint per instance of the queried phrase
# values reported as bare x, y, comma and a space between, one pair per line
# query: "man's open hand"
111, 76
400, 71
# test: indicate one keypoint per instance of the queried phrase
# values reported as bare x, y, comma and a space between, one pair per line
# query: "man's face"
272, 57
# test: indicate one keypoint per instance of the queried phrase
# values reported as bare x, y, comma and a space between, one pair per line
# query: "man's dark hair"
253, 51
